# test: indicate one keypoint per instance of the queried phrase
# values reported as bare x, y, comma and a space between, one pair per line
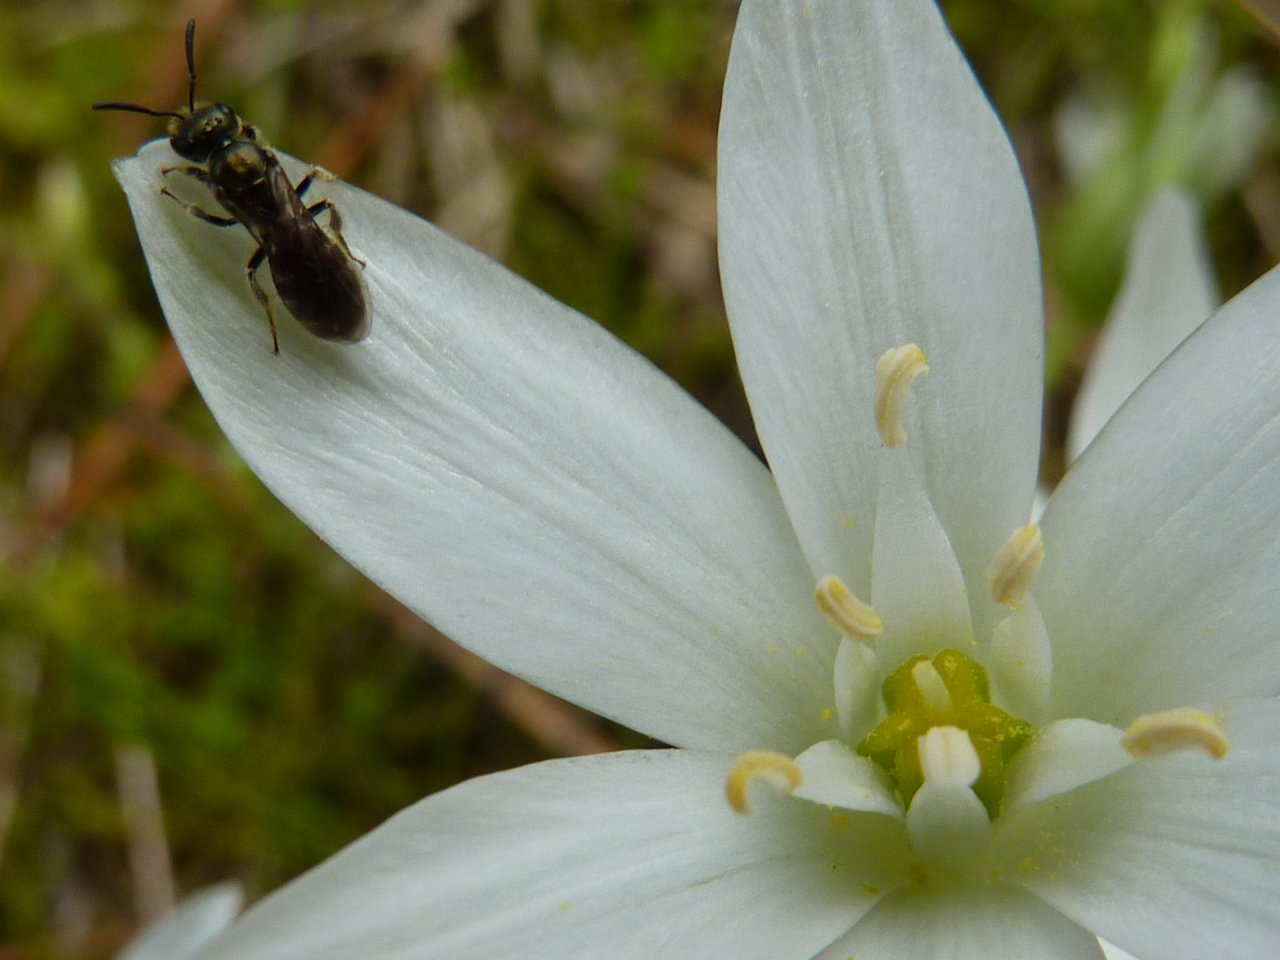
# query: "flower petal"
1172, 857
1162, 543
619, 855
198, 919
868, 198
975, 922
512, 473
1168, 290
1115, 953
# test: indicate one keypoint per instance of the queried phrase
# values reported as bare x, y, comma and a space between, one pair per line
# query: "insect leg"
335, 218
251, 271
335, 226
314, 174
196, 173
200, 214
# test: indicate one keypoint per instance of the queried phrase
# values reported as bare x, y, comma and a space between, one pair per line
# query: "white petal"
623, 856
837, 777
1230, 129
1175, 857
1209, 136
1168, 290
1085, 133
198, 919
511, 472
868, 198
1062, 756
1115, 953
1163, 541
977, 922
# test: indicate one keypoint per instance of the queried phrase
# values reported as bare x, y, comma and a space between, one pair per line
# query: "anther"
776, 769
1016, 565
1175, 731
895, 370
852, 617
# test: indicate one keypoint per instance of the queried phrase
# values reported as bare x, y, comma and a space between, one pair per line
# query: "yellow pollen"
933, 689
852, 617
1175, 731
1016, 565
776, 769
895, 370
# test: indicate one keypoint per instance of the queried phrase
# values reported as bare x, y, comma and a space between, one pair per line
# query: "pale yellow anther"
895, 370
776, 769
1016, 565
852, 617
1175, 731
933, 689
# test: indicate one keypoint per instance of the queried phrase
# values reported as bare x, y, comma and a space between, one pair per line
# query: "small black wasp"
314, 271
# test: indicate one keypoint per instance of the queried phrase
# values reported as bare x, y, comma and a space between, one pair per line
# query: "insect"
315, 274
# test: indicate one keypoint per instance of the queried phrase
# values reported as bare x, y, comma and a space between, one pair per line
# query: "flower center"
937, 761
949, 690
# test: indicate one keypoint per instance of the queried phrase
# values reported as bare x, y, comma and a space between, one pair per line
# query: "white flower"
195, 922
1169, 289
548, 499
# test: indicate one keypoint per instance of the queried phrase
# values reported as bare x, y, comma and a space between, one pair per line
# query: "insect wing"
314, 276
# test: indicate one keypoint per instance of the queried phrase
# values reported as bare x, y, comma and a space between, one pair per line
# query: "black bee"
315, 273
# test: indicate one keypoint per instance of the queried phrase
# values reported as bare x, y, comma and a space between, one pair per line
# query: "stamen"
856, 681
1016, 565
776, 769
933, 689
1178, 730
1021, 662
895, 370
949, 825
852, 617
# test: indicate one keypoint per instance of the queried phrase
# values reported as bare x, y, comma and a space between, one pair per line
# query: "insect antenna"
191, 88
135, 108
191, 63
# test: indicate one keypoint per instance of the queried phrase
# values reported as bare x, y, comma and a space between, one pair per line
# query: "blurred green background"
192, 686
